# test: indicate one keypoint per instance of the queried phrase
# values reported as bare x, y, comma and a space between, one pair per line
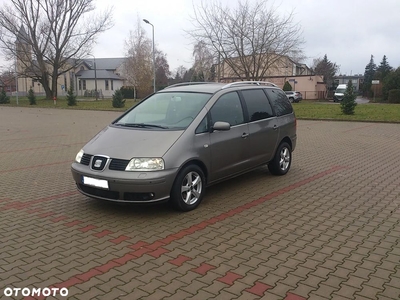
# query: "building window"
112, 85
106, 83
84, 84
80, 85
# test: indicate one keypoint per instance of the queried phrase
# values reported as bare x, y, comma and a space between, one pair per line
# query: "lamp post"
95, 76
219, 60
154, 58
16, 74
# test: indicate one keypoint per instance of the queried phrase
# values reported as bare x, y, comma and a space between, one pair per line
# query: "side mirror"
221, 126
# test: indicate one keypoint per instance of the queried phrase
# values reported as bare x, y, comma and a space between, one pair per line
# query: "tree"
203, 61
71, 97
181, 75
369, 74
384, 69
162, 70
250, 40
348, 103
327, 69
118, 99
391, 82
54, 37
139, 62
4, 99
31, 97
287, 86
212, 73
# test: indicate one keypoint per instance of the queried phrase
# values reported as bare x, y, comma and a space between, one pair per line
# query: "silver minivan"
178, 141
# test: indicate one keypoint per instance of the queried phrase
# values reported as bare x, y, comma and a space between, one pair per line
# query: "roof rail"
186, 83
249, 82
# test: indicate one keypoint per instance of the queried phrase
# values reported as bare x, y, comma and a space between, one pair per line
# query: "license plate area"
99, 183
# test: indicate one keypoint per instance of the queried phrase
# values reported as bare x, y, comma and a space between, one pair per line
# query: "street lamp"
154, 58
16, 74
219, 59
95, 76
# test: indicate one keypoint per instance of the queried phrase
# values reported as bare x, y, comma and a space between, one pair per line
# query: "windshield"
340, 91
170, 110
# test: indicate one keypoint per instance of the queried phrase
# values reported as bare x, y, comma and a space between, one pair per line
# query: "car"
339, 93
294, 96
182, 139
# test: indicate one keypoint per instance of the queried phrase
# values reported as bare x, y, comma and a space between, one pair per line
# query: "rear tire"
188, 189
282, 160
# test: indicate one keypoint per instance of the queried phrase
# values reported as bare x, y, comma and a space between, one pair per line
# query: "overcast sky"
347, 31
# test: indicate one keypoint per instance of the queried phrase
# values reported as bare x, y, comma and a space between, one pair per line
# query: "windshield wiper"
141, 125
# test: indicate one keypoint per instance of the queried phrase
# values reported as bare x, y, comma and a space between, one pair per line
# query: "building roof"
100, 74
105, 63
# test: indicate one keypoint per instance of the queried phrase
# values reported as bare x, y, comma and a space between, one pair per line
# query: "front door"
229, 149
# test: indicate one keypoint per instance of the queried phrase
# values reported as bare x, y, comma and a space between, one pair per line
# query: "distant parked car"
339, 93
294, 96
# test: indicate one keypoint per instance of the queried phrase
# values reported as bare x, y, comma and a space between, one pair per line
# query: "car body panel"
221, 154
115, 141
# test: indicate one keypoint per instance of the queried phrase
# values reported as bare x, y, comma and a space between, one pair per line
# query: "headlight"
79, 156
145, 164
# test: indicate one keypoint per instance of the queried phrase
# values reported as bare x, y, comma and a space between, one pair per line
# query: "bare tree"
54, 36
251, 39
203, 60
139, 63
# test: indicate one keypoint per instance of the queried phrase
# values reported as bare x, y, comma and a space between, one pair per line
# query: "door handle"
245, 135
275, 127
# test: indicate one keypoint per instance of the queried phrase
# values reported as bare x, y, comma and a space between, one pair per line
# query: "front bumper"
126, 187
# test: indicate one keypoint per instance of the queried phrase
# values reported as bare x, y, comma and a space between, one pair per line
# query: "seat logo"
97, 163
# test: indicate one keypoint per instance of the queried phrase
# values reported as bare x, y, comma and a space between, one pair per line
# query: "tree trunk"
45, 84
54, 83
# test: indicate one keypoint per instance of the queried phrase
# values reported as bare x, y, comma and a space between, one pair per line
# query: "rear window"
279, 101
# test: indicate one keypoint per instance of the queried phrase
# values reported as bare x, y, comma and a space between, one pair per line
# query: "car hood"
125, 143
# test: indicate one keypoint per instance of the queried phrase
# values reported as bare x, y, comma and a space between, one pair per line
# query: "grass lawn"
304, 110
86, 103
363, 112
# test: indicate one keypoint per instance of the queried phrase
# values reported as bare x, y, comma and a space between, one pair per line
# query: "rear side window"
257, 104
228, 109
279, 102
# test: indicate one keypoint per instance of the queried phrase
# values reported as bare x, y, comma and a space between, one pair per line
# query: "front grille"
99, 192
118, 164
115, 165
85, 160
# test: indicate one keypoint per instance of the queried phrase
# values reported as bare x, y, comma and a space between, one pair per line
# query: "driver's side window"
228, 108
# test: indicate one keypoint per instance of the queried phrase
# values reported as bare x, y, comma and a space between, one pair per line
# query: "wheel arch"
198, 163
287, 140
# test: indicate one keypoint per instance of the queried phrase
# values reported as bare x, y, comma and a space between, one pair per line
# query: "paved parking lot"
329, 229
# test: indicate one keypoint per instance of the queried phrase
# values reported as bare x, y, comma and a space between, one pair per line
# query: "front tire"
282, 160
188, 189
